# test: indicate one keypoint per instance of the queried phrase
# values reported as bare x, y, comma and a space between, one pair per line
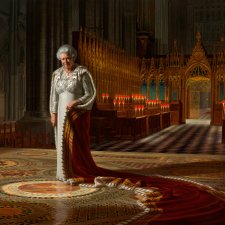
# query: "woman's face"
67, 61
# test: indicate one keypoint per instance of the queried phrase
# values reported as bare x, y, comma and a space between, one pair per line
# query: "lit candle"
107, 97
103, 97
123, 102
119, 103
114, 102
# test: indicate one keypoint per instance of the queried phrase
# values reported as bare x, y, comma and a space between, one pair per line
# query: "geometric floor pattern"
30, 194
194, 137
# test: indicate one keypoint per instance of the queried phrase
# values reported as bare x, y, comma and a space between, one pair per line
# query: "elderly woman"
71, 99
72, 96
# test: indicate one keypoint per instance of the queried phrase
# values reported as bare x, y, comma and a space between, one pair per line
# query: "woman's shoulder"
58, 71
57, 74
81, 69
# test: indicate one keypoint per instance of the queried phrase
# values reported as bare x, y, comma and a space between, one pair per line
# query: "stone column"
44, 60
130, 33
75, 16
31, 44
120, 24
48, 27
15, 55
161, 26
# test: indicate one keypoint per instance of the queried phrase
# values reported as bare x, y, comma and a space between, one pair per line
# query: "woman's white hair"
67, 49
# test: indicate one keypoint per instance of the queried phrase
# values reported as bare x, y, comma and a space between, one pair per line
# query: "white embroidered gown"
65, 88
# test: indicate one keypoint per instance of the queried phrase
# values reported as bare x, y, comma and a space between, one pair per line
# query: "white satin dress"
65, 88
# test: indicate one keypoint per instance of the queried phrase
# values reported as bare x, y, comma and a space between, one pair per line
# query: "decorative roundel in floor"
46, 189
34, 153
7, 163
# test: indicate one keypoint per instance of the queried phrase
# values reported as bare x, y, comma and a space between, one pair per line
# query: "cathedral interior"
159, 71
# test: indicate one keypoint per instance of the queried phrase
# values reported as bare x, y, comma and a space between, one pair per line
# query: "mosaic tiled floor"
194, 137
30, 195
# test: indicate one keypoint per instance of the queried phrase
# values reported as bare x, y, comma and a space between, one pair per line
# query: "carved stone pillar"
130, 33
48, 27
161, 26
12, 59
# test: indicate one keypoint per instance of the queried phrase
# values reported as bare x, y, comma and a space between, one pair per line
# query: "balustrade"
12, 134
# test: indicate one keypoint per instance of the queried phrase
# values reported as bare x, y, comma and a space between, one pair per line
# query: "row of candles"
139, 109
148, 104
164, 107
139, 102
134, 98
105, 97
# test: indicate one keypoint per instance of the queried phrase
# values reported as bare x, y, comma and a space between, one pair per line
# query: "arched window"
153, 90
173, 92
162, 88
144, 88
221, 91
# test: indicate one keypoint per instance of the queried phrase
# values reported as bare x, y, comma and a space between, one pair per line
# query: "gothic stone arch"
197, 83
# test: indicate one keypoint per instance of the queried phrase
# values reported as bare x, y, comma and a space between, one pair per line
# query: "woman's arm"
54, 119
87, 100
53, 102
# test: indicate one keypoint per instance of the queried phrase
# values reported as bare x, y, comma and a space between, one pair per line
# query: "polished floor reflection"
29, 193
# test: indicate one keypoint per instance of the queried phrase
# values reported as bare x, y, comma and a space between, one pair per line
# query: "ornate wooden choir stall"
121, 110
136, 97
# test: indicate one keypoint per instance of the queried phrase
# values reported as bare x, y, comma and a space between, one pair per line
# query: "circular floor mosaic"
46, 189
34, 153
